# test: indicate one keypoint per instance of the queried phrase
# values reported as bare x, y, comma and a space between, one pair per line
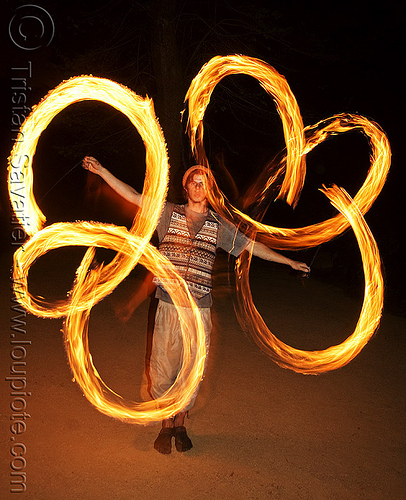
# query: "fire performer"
188, 236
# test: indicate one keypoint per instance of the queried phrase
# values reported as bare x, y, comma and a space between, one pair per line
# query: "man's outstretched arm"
263, 252
120, 187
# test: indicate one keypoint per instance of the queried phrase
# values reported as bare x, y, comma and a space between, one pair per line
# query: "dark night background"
258, 431
337, 57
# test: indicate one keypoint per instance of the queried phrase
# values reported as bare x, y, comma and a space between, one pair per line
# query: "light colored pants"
167, 348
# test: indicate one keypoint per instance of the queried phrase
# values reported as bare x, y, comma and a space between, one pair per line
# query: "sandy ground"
259, 431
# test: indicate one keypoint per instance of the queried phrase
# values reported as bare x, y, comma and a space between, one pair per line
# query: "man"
188, 236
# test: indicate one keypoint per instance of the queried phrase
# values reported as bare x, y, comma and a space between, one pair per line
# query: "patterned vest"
193, 258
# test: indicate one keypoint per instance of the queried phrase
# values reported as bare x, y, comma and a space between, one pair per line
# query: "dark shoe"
163, 443
182, 440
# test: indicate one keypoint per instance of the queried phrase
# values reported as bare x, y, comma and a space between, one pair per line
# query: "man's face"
195, 188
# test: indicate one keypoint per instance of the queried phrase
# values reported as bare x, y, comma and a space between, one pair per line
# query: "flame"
313, 362
292, 167
89, 285
198, 97
138, 110
131, 246
299, 142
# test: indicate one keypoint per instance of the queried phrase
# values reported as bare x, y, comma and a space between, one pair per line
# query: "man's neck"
200, 207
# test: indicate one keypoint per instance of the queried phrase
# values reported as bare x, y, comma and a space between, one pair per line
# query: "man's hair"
196, 169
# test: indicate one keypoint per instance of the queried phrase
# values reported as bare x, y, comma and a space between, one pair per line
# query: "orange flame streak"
138, 110
76, 324
199, 95
313, 362
316, 234
297, 238
141, 113
93, 286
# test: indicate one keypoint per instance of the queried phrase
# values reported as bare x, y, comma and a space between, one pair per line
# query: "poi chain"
133, 246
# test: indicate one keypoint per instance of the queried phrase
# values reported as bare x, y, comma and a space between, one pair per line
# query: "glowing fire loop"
76, 324
133, 246
298, 143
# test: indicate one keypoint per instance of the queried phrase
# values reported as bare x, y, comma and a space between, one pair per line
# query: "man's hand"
91, 164
300, 266
120, 187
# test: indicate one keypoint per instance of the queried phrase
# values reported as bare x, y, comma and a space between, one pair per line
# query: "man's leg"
166, 356
163, 443
166, 360
182, 440
173, 427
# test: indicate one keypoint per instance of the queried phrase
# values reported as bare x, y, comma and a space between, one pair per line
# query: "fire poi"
133, 246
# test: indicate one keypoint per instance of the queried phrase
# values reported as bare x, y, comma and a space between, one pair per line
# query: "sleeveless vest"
193, 258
